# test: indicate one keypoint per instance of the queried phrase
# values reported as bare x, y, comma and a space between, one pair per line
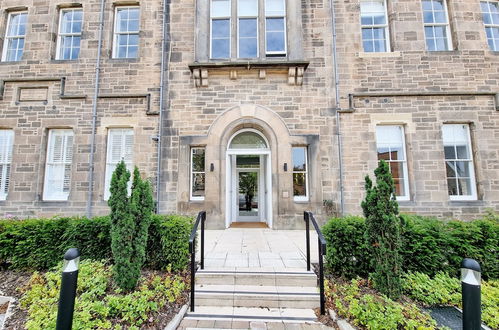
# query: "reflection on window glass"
248, 140
436, 25
197, 173
374, 25
126, 32
391, 148
275, 27
458, 161
70, 34
13, 46
490, 16
299, 155
220, 29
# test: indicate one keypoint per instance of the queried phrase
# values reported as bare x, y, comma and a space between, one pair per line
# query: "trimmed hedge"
429, 245
41, 243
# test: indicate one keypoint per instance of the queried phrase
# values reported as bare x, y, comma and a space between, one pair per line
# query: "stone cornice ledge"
295, 69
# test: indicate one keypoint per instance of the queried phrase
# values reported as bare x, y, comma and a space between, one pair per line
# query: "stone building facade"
253, 110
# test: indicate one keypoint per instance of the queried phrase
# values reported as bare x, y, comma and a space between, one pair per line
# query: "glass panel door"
248, 195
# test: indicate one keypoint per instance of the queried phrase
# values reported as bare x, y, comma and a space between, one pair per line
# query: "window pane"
299, 184
274, 8
379, 45
399, 187
463, 169
372, 12
198, 184
247, 8
220, 28
248, 140
247, 27
450, 169
220, 48
397, 169
299, 159
247, 37
275, 42
465, 186
220, 8
452, 187
198, 160
248, 48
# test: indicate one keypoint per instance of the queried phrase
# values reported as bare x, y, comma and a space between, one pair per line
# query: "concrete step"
257, 277
245, 314
257, 296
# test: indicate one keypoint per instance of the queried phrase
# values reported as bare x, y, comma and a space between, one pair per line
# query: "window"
300, 168
119, 147
13, 45
68, 41
374, 22
436, 25
247, 35
220, 29
197, 173
275, 27
6, 145
459, 162
58, 168
126, 32
490, 16
390, 144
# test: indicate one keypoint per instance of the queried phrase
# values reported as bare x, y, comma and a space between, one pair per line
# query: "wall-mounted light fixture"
285, 167
212, 167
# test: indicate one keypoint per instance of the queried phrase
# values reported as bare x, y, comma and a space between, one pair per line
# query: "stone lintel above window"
295, 69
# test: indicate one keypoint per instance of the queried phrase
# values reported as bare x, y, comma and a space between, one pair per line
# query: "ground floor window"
119, 147
198, 173
459, 162
390, 145
58, 168
300, 168
6, 146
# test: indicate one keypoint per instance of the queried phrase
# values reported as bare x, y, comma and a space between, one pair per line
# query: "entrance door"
248, 195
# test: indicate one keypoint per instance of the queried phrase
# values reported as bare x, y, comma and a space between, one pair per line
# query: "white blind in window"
119, 147
6, 144
58, 168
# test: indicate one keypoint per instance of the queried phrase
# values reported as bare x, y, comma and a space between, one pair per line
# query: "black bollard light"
68, 290
470, 285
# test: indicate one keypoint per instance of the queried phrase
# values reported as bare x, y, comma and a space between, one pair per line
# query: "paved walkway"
257, 248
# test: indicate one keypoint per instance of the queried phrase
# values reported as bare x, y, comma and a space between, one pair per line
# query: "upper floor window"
436, 25
13, 45
490, 16
374, 22
390, 145
255, 28
58, 168
459, 162
69, 38
6, 146
300, 169
126, 32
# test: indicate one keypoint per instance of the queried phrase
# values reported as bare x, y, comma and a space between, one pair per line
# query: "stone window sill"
379, 54
475, 202
295, 69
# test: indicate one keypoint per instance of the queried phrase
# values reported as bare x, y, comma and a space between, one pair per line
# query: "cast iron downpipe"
337, 103
94, 112
163, 86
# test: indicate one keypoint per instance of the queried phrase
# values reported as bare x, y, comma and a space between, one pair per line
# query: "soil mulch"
10, 281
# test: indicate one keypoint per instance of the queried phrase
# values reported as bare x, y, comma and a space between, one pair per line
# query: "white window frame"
52, 195
407, 195
446, 24
60, 34
6, 152
277, 54
116, 34
471, 162
495, 47
111, 164
375, 26
212, 18
192, 172
239, 17
8, 38
305, 197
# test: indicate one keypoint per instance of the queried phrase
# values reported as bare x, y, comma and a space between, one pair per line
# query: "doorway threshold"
249, 225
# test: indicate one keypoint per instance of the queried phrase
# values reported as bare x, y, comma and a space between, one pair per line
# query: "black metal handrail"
201, 218
307, 216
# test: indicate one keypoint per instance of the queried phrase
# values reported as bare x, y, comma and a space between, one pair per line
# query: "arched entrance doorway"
249, 184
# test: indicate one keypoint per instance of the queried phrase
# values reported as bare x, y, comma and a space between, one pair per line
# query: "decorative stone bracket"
294, 69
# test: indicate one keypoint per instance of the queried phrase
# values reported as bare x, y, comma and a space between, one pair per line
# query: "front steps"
243, 298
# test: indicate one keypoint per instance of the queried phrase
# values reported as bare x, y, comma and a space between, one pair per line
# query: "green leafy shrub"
383, 231
429, 245
96, 305
347, 259
41, 243
371, 311
446, 290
